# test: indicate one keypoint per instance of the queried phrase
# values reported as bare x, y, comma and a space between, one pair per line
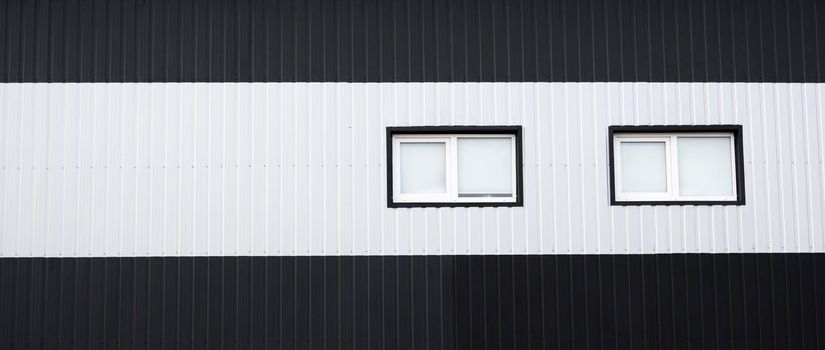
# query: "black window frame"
739, 165
515, 130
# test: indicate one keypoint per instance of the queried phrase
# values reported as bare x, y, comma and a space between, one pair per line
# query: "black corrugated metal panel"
716, 301
411, 40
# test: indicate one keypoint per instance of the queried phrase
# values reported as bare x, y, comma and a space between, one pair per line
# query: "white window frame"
451, 195
671, 152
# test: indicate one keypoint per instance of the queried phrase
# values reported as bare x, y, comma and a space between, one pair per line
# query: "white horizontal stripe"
170, 169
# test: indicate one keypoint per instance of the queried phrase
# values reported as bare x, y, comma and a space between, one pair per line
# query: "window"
676, 165
449, 166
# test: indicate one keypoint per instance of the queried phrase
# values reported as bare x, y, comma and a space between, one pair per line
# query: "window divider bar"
452, 167
673, 166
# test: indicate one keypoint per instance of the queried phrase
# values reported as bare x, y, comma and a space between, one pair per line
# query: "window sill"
454, 204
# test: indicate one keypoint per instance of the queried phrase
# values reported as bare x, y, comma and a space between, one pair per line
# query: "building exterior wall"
196, 174
412, 41
682, 301
299, 169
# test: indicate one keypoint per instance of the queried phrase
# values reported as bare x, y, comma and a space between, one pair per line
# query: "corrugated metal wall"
667, 301
257, 201
298, 169
411, 40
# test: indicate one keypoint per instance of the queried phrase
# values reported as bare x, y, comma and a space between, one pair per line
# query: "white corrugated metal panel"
298, 169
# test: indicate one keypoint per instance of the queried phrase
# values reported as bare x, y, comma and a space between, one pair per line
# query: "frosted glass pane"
644, 167
423, 167
705, 166
485, 167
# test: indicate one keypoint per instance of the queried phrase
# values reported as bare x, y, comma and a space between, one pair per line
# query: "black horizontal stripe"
682, 301
411, 40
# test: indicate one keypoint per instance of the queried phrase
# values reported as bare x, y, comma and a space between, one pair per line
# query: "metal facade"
299, 169
680, 301
412, 41
195, 174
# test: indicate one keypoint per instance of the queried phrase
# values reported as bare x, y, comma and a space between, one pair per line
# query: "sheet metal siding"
670, 301
298, 169
411, 41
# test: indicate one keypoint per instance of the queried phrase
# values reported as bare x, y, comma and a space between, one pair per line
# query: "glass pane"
644, 167
705, 167
423, 167
485, 167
